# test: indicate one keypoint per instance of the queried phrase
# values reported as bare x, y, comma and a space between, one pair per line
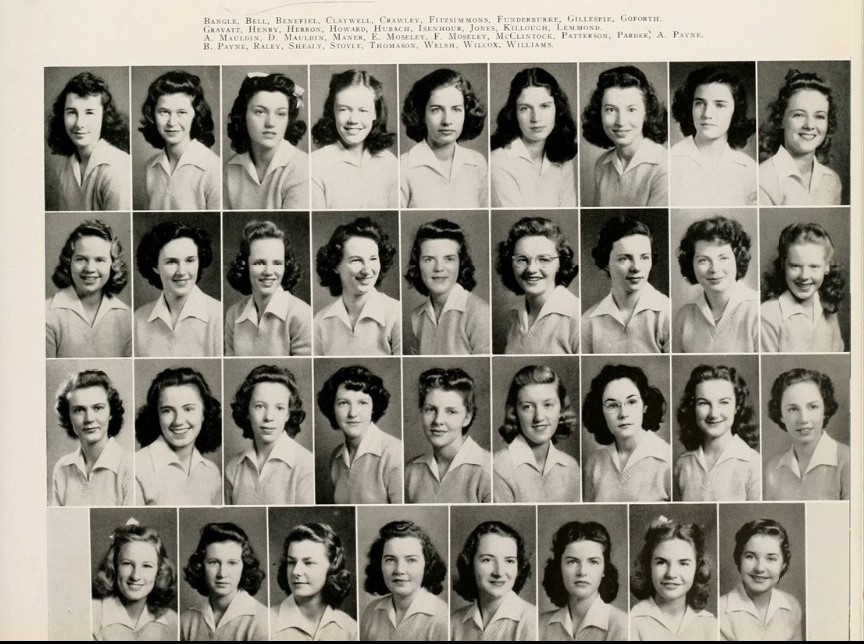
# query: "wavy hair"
338, 584
537, 375
440, 229
155, 239
716, 230
177, 82
767, 528
616, 228
353, 378
243, 397
119, 275
330, 254
85, 380
553, 582
252, 575
251, 85
414, 107
434, 569
793, 377
568, 266
465, 584
455, 379
238, 272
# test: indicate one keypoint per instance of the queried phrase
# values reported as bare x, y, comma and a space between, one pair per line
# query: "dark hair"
85, 380
741, 127
115, 127
592, 409
571, 532
560, 146
155, 239
771, 131
434, 569
833, 289
440, 229
717, 230
252, 576
768, 528
667, 530
353, 378
654, 127
616, 228
744, 425
274, 374
465, 584
238, 272
330, 254
455, 379
119, 275
537, 375
148, 426
177, 82
414, 107
793, 377
568, 267
324, 132
162, 597
338, 584
251, 85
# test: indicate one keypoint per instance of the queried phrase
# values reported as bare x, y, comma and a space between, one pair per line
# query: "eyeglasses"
543, 261
613, 406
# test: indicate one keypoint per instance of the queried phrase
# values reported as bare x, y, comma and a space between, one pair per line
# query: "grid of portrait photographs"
479, 352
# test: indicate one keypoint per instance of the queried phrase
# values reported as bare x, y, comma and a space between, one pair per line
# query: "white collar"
649, 608
597, 616
113, 612
521, 454
196, 154
162, 456
289, 616
372, 442
647, 152
791, 306
103, 152
457, 300
739, 601
284, 450
196, 306
281, 158
687, 148
242, 604
651, 446
736, 449
373, 309
425, 603
67, 298
470, 453
561, 302
824, 454
785, 166
738, 293
422, 155
650, 299
278, 306
512, 608
518, 150
110, 459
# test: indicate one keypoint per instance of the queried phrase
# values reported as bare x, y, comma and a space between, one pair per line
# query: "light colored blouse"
68, 334
780, 183
377, 332
644, 182
737, 330
105, 184
602, 623
284, 479
649, 623
519, 182
518, 479
790, 327
467, 480
285, 328
198, 331
425, 184
462, 328
604, 330
514, 621
194, 184
556, 329
111, 623
728, 180
245, 620
645, 477
162, 479
734, 477
288, 624
285, 185
340, 180
425, 620
109, 482
826, 477
375, 474
740, 620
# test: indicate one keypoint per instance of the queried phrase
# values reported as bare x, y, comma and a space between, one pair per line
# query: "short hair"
465, 583
537, 375
324, 132
353, 378
741, 128
568, 263
148, 426
560, 146
744, 425
274, 374
717, 230
251, 85
765, 527
434, 569
793, 377
771, 131
440, 229
833, 289
115, 127
616, 228
177, 82
338, 584
164, 592
571, 532
119, 275
155, 239
414, 107
238, 272
330, 254
655, 125
85, 380
252, 575
592, 409
663, 529
455, 379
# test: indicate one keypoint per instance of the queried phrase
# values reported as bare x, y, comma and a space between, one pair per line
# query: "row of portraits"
99, 141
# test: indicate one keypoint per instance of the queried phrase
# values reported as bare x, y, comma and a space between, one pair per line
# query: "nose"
533, 116
268, 413
447, 116
496, 568
88, 415
538, 414
398, 566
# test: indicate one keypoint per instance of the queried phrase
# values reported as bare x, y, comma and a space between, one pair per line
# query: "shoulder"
233, 465
844, 454
473, 155
476, 304
742, 159
771, 308
501, 462
459, 614
325, 153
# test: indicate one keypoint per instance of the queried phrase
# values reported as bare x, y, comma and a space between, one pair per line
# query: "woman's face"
90, 414
535, 264
266, 266
535, 113
805, 122
630, 263
805, 268
360, 266
673, 569
137, 566
496, 566
714, 266
354, 111
403, 565
177, 267
444, 417
439, 265
353, 411
713, 107
82, 116
223, 568
269, 408
761, 564
307, 568
623, 408
623, 115
538, 409
802, 411
714, 403
445, 116
267, 119
90, 266
181, 415
582, 566
174, 117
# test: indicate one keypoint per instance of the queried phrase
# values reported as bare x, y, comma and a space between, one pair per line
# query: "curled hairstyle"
571, 532
353, 378
251, 85
155, 239
148, 426
325, 132
568, 267
177, 82
115, 127
338, 584
465, 584
243, 397
833, 289
330, 254
414, 107
771, 131
662, 530
162, 597
654, 127
717, 230
560, 146
765, 527
252, 576
793, 377
455, 379
238, 273
434, 569
592, 409
85, 380
616, 228
741, 127
119, 275
440, 229
537, 375
744, 425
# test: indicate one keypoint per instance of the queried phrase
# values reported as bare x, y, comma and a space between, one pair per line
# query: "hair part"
155, 239
330, 255
238, 273
414, 107
465, 583
252, 576
715, 230
268, 373
766, 528
338, 584
440, 229
455, 379
553, 582
177, 82
119, 274
251, 85
794, 377
434, 569
615, 228
353, 378
537, 375
86, 380
568, 262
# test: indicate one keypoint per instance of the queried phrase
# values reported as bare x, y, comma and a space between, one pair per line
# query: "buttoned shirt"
284, 329
555, 330
788, 326
647, 331
462, 327
737, 330
425, 620
194, 184
109, 482
342, 180
198, 331
425, 184
468, 479
377, 332
602, 623
733, 477
69, 334
288, 624
697, 180
519, 182
375, 474
518, 478
646, 476
826, 476
514, 621
285, 478
642, 183
781, 184
104, 185
740, 619
285, 185
648, 622
245, 620
111, 622
162, 478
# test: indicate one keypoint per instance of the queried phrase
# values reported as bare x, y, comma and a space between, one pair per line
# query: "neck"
354, 303
717, 301
578, 608
92, 452
220, 604
534, 303
355, 151
134, 608
263, 451
261, 157
402, 602
90, 300
175, 302
184, 455
714, 446
760, 600
261, 301
804, 162
444, 153
803, 453
535, 149
176, 150
446, 454
626, 446
84, 154
353, 443
674, 607
488, 607
625, 299
712, 148
627, 152
540, 451
311, 608
438, 301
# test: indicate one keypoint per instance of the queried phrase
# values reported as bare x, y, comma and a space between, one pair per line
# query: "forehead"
714, 92
764, 543
267, 247
89, 102
174, 101
343, 393
444, 398
535, 244
711, 247
674, 549
87, 396
270, 391
359, 246
715, 389
620, 388
355, 95
273, 100
632, 244
449, 95
802, 391
808, 251
92, 246
439, 247
808, 99
583, 548
224, 549
177, 395
403, 546
536, 392
139, 550
180, 247
307, 548
623, 96
533, 95
497, 544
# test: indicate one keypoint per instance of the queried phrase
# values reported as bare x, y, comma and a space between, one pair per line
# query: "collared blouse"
105, 184
285, 327
375, 474
790, 327
341, 180
740, 621
377, 332
285, 185
245, 620
645, 477
514, 621
198, 331
68, 333
467, 480
602, 623
733, 477
462, 328
519, 182
424, 184
826, 477
781, 184
284, 479
288, 624
604, 331
162, 480
518, 479
555, 330
111, 622
194, 184
644, 182
737, 330
648, 622
109, 482
727, 180
425, 620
